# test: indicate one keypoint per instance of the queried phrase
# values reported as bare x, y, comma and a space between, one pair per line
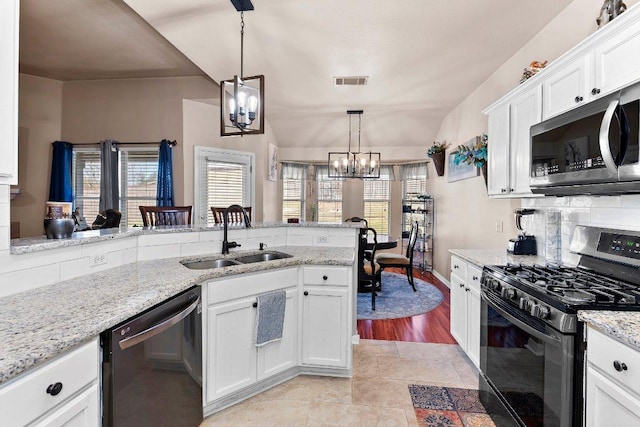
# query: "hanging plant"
437, 152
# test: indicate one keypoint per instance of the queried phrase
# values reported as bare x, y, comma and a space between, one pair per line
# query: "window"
293, 190
138, 171
223, 178
86, 182
329, 196
137, 177
376, 201
414, 183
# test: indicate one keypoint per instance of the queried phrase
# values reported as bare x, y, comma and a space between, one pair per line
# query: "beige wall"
40, 123
465, 216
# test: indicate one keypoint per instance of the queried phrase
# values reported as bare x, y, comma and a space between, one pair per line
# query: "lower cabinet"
465, 306
612, 382
62, 392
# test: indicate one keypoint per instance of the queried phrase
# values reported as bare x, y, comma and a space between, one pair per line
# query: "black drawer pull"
595, 91
474, 278
255, 304
579, 99
306, 293
54, 389
619, 366
324, 277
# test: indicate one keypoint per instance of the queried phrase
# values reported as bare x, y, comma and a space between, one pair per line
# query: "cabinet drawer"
473, 276
459, 267
603, 351
26, 398
331, 276
244, 285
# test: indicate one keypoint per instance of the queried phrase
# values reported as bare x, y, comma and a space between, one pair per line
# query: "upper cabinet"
9, 19
606, 61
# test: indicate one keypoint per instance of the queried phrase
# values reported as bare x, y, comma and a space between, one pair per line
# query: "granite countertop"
41, 243
37, 325
482, 257
621, 325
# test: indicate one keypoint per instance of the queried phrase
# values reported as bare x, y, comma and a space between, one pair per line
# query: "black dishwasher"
152, 366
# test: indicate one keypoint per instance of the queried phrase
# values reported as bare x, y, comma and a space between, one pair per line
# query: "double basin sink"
206, 264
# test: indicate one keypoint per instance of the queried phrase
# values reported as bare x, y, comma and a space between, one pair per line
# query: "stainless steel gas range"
532, 348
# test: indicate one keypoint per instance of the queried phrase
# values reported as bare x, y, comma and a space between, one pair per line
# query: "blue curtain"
60, 188
164, 193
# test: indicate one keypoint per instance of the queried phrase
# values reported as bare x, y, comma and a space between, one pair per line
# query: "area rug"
397, 298
448, 406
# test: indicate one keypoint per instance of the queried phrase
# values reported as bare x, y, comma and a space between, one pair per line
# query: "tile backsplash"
622, 212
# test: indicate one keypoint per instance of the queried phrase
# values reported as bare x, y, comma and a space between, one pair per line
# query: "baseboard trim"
441, 278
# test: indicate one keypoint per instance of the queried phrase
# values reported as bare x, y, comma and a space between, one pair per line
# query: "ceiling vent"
350, 81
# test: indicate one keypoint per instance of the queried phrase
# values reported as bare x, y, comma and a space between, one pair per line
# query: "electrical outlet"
499, 226
323, 239
98, 259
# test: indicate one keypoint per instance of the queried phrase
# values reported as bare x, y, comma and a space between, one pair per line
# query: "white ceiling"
422, 57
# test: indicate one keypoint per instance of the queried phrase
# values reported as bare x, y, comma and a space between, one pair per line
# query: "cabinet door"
231, 348
81, 411
498, 151
458, 316
526, 110
9, 23
608, 404
567, 88
281, 355
325, 327
473, 325
617, 62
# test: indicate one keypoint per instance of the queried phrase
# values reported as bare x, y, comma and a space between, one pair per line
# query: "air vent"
350, 81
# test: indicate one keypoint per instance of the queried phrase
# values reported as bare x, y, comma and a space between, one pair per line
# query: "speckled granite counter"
39, 324
482, 257
41, 243
621, 325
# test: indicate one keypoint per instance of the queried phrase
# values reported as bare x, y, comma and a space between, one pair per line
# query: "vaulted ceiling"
422, 57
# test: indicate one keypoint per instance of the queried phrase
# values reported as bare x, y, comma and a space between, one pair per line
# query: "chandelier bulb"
373, 164
242, 102
253, 104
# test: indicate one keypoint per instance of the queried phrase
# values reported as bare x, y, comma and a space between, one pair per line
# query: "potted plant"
473, 155
436, 152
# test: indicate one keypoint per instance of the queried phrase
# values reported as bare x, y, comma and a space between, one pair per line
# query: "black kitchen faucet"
226, 245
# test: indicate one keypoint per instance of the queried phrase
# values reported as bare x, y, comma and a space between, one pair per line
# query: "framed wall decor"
462, 170
272, 162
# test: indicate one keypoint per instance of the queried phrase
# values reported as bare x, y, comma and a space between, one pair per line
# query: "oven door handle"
158, 327
498, 306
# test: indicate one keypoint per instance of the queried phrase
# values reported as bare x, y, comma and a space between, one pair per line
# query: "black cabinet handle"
595, 91
255, 304
306, 293
619, 366
455, 266
474, 278
54, 389
466, 289
579, 99
324, 277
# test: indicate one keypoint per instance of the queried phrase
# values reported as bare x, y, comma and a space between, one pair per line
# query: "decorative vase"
485, 174
438, 162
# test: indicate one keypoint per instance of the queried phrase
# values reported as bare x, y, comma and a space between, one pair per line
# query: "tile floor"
377, 395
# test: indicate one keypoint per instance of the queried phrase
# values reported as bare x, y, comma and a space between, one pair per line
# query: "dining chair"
357, 219
369, 268
234, 216
405, 261
165, 215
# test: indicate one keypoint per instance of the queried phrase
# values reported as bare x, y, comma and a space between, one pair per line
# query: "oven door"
528, 365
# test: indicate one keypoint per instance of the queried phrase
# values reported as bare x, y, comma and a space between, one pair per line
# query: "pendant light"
242, 98
354, 164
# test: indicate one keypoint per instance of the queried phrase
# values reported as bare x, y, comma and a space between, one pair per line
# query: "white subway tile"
76, 268
298, 240
12, 262
630, 201
129, 255
201, 248
167, 239
23, 280
107, 246
207, 236
146, 253
606, 202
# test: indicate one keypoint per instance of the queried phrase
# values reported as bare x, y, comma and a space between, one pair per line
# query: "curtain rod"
171, 143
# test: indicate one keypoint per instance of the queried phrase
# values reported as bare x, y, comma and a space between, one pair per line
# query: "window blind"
377, 199
329, 196
86, 182
138, 183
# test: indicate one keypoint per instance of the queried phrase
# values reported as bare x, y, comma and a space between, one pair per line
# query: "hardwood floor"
431, 327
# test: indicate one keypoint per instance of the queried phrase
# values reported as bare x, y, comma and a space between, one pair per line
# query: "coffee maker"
523, 244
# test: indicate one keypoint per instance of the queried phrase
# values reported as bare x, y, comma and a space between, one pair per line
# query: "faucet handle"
262, 246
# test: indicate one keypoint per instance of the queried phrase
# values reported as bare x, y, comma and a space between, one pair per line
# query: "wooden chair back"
357, 219
165, 215
233, 216
413, 238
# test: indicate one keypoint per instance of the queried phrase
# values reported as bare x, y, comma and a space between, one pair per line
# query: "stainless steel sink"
210, 263
266, 256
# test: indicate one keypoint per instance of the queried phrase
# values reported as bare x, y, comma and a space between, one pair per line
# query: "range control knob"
509, 293
495, 285
540, 311
525, 304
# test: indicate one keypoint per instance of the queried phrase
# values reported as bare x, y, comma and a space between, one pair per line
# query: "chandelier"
354, 164
242, 99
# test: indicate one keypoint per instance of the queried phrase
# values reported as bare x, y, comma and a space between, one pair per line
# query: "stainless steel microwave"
592, 149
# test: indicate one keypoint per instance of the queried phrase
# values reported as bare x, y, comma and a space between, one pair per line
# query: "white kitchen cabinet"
465, 306
325, 317
233, 360
62, 392
616, 58
568, 87
612, 382
526, 110
498, 151
9, 31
